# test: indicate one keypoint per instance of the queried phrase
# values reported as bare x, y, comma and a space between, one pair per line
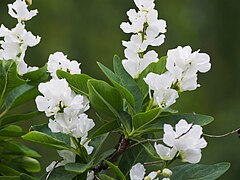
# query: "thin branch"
223, 135
144, 141
153, 163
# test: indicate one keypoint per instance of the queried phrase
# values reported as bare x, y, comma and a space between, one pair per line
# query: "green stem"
150, 105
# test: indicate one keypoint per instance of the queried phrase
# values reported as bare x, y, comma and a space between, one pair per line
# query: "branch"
223, 135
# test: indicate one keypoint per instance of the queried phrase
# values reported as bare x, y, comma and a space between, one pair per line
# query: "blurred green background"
88, 31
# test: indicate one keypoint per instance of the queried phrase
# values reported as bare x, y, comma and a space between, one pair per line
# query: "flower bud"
29, 2
166, 172
147, 178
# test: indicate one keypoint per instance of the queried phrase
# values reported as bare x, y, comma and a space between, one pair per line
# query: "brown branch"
223, 135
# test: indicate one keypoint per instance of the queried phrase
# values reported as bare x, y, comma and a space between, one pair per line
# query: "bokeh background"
88, 31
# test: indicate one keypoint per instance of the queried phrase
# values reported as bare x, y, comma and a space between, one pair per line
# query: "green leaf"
17, 118
199, 171
78, 82
77, 167
132, 156
19, 149
27, 163
20, 95
104, 155
7, 171
128, 82
8, 78
155, 67
26, 177
45, 139
105, 177
45, 129
142, 119
108, 127
38, 76
118, 172
158, 123
97, 143
9, 177
116, 82
59, 173
104, 98
11, 131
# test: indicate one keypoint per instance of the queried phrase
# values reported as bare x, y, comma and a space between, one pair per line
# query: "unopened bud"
147, 178
29, 2
159, 172
166, 172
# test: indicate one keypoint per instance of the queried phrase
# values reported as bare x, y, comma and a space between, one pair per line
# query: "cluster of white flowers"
59, 101
16, 41
185, 141
148, 30
138, 172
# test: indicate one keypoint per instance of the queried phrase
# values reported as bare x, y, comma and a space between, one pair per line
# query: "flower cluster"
148, 30
185, 142
16, 41
138, 172
61, 102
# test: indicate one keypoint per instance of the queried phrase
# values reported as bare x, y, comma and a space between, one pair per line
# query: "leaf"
155, 67
8, 78
128, 82
142, 119
26, 177
108, 127
9, 177
105, 177
17, 118
17, 148
199, 171
45, 129
116, 82
104, 155
104, 98
38, 76
11, 131
7, 171
118, 172
78, 82
158, 123
131, 157
20, 95
59, 173
27, 163
77, 167
41, 138
97, 143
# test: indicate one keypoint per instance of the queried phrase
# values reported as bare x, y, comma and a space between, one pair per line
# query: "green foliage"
118, 172
59, 173
199, 171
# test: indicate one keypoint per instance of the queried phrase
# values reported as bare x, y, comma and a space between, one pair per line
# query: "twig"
144, 141
153, 163
223, 135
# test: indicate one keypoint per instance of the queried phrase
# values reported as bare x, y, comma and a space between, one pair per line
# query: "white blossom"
167, 172
145, 5
59, 61
19, 11
58, 98
137, 172
163, 95
186, 140
76, 126
185, 64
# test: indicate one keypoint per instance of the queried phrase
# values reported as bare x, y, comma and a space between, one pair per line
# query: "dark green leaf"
19, 149
97, 143
77, 167
27, 163
78, 82
118, 172
59, 173
199, 171
128, 82
104, 98
116, 82
45, 139
108, 127
7, 171
9, 177
17, 118
11, 131
104, 155
105, 177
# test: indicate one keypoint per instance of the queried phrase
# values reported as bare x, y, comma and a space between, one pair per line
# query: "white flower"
186, 139
137, 172
90, 175
58, 98
163, 95
184, 65
19, 11
59, 61
166, 172
76, 126
145, 5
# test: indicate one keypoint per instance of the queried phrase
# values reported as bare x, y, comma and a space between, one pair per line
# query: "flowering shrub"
136, 107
